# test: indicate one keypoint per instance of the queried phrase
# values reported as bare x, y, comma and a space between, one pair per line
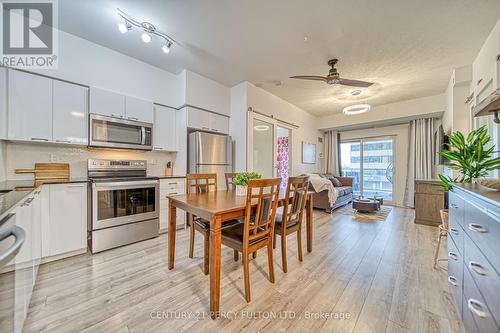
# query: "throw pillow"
336, 182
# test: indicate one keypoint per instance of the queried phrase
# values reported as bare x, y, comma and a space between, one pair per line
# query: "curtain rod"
250, 109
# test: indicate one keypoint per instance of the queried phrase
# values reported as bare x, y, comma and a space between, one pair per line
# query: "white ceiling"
407, 47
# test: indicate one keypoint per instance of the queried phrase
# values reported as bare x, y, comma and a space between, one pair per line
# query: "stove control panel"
117, 164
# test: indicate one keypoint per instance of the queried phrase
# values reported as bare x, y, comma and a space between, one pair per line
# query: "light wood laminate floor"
377, 275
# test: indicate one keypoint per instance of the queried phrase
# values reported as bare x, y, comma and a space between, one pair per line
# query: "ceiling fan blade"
309, 77
355, 83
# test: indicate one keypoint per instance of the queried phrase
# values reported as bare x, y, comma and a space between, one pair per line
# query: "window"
370, 163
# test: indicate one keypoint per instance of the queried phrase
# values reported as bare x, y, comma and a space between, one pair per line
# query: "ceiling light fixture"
146, 37
124, 26
356, 109
166, 48
261, 128
356, 92
148, 30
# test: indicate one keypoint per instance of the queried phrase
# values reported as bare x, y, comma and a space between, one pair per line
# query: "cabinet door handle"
157, 148
477, 268
39, 139
27, 202
77, 185
64, 141
215, 130
476, 308
453, 255
133, 118
172, 193
454, 206
172, 183
454, 231
116, 115
452, 280
477, 228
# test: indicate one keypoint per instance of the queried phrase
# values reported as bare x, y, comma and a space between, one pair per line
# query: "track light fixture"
148, 30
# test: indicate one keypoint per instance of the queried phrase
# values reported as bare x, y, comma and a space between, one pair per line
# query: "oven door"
119, 133
118, 203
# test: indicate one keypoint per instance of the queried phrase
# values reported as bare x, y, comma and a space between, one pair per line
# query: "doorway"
370, 162
270, 147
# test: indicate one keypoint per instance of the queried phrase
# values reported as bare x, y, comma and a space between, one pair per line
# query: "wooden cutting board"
48, 172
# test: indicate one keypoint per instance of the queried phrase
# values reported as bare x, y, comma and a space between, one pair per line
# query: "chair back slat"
230, 180
295, 200
264, 193
201, 182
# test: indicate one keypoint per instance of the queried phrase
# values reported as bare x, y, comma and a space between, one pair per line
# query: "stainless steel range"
124, 203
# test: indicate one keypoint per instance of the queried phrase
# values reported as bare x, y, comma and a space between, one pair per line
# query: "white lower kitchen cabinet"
171, 186
164, 130
68, 218
70, 113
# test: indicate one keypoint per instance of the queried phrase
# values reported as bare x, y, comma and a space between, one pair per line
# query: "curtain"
332, 151
420, 155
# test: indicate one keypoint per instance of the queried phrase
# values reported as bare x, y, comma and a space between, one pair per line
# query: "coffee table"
365, 205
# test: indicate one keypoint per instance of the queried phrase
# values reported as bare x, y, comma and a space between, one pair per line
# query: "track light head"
146, 37
166, 47
124, 27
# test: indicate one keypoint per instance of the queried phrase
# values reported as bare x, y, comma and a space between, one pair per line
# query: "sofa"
344, 194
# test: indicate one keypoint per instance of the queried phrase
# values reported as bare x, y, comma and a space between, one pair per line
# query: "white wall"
400, 154
238, 126
88, 63
419, 107
24, 155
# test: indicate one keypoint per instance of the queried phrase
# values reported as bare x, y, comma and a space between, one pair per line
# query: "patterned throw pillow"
335, 182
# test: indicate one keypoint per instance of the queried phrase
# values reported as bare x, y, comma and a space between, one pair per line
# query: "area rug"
380, 215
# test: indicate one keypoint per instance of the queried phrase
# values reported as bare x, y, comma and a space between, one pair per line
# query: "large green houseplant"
241, 181
469, 156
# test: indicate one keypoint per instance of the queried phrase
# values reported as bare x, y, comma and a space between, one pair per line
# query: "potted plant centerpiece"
241, 181
470, 157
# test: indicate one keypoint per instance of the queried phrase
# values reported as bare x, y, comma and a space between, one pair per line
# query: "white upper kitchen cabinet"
138, 109
29, 107
219, 124
198, 119
70, 124
164, 130
68, 218
3, 103
207, 121
206, 94
107, 103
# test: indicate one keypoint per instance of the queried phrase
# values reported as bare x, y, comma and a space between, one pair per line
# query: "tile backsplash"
20, 155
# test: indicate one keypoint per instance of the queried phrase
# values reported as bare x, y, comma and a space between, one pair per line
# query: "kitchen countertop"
488, 194
17, 190
168, 177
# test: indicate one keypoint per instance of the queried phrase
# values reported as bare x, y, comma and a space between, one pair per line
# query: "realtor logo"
29, 34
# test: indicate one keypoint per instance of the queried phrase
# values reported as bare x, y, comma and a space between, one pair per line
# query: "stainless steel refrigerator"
210, 153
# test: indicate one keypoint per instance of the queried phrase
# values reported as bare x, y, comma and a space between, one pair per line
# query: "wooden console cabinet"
429, 199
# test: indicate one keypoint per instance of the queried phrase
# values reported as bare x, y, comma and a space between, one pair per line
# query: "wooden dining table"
219, 207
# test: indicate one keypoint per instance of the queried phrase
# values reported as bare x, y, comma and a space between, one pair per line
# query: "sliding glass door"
370, 162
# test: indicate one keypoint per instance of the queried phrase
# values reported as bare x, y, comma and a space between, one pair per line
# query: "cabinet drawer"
455, 273
456, 208
483, 227
456, 233
475, 304
485, 277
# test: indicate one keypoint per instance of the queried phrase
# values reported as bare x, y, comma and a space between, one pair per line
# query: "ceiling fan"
333, 77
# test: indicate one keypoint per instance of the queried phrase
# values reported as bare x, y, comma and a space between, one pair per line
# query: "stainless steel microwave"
111, 132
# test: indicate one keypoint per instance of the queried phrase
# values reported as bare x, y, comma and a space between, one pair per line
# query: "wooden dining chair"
257, 230
230, 185
200, 183
289, 217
